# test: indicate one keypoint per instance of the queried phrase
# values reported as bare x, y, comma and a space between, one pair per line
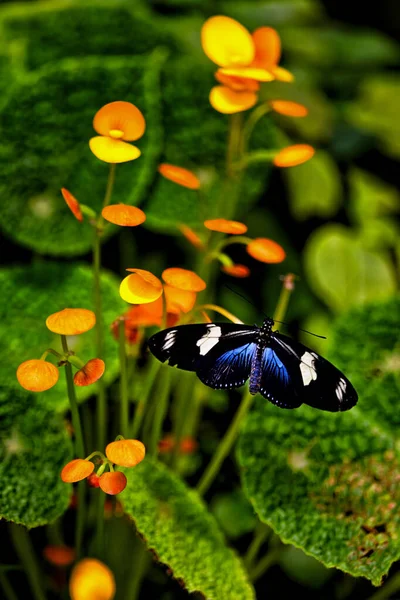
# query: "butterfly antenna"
314, 334
244, 298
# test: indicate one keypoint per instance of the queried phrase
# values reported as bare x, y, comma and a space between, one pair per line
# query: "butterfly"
226, 355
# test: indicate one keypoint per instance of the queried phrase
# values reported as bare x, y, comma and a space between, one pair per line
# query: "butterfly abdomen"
256, 370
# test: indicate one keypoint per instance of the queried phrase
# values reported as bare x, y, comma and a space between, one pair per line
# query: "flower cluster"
38, 375
122, 452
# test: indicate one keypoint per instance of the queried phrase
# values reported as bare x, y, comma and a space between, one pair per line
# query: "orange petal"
61, 556
126, 453
183, 279
191, 236
179, 301
268, 48
238, 84
180, 176
239, 271
71, 321
93, 480
225, 226
226, 42
289, 108
113, 151
266, 250
90, 373
229, 102
140, 287
122, 117
113, 483
123, 215
76, 470
188, 445
91, 580
248, 73
294, 155
166, 444
37, 375
282, 74
72, 203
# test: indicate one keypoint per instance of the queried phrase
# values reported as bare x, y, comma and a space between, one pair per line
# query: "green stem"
180, 413
261, 534
234, 137
139, 568
265, 563
225, 445
101, 396
256, 156
124, 397
9, 593
79, 450
161, 397
24, 549
110, 185
283, 301
251, 122
153, 368
100, 523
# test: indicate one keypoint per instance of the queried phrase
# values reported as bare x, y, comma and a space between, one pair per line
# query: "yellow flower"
117, 123
244, 61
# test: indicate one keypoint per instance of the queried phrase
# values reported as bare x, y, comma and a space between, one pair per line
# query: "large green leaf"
34, 446
46, 124
175, 523
328, 483
29, 295
344, 273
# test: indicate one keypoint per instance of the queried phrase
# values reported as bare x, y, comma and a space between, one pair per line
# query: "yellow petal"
226, 42
113, 151
71, 321
91, 580
140, 287
238, 84
268, 48
282, 74
294, 155
248, 73
289, 108
120, 120
228, 101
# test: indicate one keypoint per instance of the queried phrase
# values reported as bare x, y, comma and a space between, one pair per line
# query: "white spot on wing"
341, 389
307, 368
169, 339
209, 340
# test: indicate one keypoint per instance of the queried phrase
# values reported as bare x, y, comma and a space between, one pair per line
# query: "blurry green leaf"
328, 483
376, 111
342, 272
234, 513
314, 187
175, 523
29, 295
304, 569
34, 447
46, 124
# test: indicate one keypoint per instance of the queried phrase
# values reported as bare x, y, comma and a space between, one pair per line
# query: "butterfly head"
267, 325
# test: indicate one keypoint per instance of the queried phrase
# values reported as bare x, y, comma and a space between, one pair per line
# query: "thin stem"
153, 368
101, 396
283, 301
225, 445
180, 414
124, 397
24, 549
234, 137
9, 593
100, 523
110, 185
253, 119
161, 396
79, 450
139, 568
265, 563
261, 534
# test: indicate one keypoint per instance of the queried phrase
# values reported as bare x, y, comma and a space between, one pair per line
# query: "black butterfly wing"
279, 383
220, 353
317, 382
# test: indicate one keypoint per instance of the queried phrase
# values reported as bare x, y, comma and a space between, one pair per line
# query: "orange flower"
244, 60
123, 215
113, 482
266, 251
226, 226
71, 321
37, 375
187, 445
179, 301
141, 287
91, 580
289, 108
90, 373
76, 470
183, 279
191, 236
293, 155
239, 271
93, 480
72, 203
142, 315
126, 453
117, 123
180, 176
60, 556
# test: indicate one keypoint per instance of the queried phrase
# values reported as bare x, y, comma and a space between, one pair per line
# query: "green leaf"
328, 483
233, 513
34, 447
49, 149
175, 523
342, 272
314, 187
29, 295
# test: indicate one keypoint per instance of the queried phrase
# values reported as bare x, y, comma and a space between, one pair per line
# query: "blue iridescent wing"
278, 383
229, 369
